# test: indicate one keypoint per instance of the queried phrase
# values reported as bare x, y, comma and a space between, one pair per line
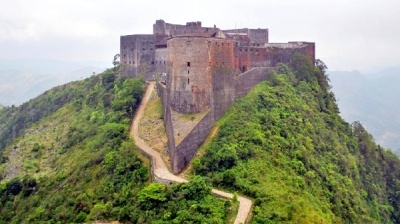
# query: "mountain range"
24, 79
373, 100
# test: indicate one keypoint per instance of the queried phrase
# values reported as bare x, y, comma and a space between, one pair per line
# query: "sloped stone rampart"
160, 172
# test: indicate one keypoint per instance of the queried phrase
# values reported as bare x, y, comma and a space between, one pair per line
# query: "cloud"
348, 34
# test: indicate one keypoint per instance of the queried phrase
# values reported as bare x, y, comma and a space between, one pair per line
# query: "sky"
359, 35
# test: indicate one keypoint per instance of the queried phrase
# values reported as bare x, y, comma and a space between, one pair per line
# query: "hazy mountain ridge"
373, 100
25, 79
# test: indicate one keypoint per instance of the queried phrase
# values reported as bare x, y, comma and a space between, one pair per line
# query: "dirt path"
160, 170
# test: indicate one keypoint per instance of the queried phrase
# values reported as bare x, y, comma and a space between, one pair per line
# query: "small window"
152, 62
144, 49
188, 64
188, 71
209, 63
164, 62
188, 80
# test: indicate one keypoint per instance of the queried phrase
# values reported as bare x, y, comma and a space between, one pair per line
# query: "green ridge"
68, 158
285, 146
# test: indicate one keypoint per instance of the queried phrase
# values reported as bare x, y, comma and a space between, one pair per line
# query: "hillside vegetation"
285, 146
67, 158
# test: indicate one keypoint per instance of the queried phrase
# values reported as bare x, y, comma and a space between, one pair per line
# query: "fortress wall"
282, 53
159, 27
160, 60
251, 57
186, 150
246, 81
128, 55
163, 93
222, 66
258, 37
223, 92
162, 28
189, 79
137, 55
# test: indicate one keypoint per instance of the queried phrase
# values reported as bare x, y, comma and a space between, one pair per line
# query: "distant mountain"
25, 79
372, 99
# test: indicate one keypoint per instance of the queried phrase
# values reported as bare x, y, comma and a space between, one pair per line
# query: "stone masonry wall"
163, 93
163, 28
223, 97
246, 81
137, 55
189, 79
160, 60
282, 53
186, 150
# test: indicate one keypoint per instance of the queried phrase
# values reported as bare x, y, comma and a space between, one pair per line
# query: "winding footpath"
160, 170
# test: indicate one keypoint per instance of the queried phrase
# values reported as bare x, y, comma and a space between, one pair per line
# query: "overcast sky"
349, 34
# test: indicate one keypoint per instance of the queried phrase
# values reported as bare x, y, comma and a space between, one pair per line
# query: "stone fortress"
200, 72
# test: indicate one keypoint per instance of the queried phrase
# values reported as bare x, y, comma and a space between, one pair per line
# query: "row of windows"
209, 63
255, 52
153, 62
217, 44
158, 62
245, 43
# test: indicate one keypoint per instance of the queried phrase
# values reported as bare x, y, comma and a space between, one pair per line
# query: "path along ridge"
159, 168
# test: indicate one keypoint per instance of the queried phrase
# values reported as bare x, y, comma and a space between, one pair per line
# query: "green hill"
67, 157
285, 146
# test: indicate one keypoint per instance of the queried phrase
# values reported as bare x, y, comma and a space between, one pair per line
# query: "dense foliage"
285, 146
69, 159
184, 203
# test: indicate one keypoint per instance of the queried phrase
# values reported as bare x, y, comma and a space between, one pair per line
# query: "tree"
116, 62
151, 195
